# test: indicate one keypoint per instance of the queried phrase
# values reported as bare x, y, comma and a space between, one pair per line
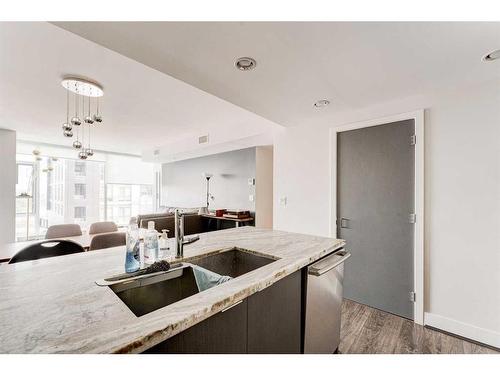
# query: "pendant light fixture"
85, 89
67, 127
75, 121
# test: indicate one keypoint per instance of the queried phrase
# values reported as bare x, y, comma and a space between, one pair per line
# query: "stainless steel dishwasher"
324, 303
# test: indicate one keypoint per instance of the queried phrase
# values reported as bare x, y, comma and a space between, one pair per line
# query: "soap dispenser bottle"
163, 244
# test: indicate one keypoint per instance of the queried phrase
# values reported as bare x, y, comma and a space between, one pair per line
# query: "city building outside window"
80, 213
80, 191
124, 201
80, 168
65, 190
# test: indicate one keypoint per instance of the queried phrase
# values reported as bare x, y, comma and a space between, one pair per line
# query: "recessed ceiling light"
245, 63
321, 103
492, 56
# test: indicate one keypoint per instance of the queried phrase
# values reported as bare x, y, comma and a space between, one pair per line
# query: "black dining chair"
107, 240
46, 249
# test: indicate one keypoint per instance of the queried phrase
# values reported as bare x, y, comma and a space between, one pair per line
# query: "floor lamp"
208, 176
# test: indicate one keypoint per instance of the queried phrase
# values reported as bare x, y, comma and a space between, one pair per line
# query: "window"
68, 190
80, 168
124, 201
80, 212
25, 200
146, 190
124, 193
80, 190
24, 187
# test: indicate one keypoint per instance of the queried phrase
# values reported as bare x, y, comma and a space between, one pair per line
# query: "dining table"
7, 250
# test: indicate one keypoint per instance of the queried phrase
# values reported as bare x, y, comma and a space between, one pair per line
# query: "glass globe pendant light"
89, 150
84, 88
88, 119
82, 155
77, 144
97, 116
67, 128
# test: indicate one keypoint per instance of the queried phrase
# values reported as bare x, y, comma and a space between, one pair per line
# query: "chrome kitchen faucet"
179, 234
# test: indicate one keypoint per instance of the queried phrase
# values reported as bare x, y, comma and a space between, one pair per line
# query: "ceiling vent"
203, 139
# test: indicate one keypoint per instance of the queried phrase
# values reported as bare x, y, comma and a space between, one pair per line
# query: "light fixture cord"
89, 116
83, 123
89, 127
76, 112
67, 107
76, 100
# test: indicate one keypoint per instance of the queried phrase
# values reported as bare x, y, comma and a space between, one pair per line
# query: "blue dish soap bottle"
131, 259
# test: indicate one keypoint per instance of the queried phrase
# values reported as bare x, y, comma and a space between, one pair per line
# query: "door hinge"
412, 218
413, 140
413, 296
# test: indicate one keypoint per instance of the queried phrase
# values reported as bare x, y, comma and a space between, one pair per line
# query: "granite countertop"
53, 305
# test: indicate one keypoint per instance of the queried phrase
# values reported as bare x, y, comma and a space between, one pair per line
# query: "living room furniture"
46, 249
221, 219
193, 223
208, 176
63, 230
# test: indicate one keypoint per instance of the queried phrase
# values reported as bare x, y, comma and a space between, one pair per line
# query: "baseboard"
481, 335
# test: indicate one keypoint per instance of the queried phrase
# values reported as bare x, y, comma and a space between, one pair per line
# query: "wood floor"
371, 331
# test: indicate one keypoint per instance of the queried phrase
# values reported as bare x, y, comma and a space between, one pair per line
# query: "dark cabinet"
224, 332
268, 321
274, 317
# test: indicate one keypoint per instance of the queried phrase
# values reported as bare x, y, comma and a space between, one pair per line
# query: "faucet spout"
179, 234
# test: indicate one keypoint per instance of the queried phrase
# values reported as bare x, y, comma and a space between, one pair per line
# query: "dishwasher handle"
327, 264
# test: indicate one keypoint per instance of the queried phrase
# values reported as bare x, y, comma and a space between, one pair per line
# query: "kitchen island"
53, 305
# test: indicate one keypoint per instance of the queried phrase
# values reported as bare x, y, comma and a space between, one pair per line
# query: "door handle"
329, 263
344, 223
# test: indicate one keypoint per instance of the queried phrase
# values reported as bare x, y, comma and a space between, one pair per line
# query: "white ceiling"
142, 107
353, 64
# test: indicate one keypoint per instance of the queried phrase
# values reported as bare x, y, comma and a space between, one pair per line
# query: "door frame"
418, 245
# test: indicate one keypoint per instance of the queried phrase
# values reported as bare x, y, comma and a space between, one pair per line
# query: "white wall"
184, 186
123, 169
264, 187
7, 185
301, 175
462, 200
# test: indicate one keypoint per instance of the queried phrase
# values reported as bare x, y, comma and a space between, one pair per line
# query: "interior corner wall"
462, 200
8, 186
264, 187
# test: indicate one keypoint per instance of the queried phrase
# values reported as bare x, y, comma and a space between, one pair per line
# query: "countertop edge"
146, 342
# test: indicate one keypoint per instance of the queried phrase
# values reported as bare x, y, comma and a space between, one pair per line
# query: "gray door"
375, 197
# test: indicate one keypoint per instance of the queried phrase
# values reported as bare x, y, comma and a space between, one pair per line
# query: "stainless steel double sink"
144, 295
